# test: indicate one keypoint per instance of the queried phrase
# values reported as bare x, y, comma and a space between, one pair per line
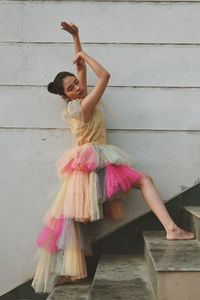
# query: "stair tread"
121, 277
195, 210
174, 255
73, 291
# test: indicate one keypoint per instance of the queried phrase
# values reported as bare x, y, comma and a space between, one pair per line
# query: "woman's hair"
56, 87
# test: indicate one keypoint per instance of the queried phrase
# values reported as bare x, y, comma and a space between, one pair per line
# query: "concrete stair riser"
191, 220
152, 274
174, 267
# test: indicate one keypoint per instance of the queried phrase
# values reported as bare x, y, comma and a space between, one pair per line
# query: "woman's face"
72, 88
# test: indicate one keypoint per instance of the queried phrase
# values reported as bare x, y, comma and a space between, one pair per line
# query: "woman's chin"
83, 96
79, 96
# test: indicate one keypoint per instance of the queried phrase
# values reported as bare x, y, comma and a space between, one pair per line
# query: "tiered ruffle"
96, 177
98, 172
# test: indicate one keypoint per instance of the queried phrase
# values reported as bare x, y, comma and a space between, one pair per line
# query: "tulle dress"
95, 178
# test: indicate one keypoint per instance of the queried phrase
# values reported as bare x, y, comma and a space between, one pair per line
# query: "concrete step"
72, 291
191, 219
121, 277
174, 264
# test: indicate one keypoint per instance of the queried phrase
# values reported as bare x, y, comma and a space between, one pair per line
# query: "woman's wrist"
75, 35
82, 54
77, 43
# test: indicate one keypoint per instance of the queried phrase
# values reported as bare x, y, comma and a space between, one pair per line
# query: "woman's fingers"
70, 27
66, 26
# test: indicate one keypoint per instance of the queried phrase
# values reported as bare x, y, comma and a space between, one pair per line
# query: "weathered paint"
154, 89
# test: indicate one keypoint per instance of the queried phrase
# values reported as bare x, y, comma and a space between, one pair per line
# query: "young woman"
96, 177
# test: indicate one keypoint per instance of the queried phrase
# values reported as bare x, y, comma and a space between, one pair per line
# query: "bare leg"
153, 200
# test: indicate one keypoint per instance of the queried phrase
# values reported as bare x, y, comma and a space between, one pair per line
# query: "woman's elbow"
106, 75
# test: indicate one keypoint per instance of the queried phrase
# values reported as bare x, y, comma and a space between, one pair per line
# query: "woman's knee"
143, 180
146, 177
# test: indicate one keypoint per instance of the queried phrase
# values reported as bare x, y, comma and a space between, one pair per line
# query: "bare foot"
63, 279
179, 234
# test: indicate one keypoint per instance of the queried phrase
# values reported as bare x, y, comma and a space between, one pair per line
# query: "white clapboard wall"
151, 49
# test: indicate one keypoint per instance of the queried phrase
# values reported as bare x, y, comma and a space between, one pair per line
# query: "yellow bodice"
93, 131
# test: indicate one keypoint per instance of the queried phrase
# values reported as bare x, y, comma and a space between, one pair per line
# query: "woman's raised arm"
90, 101
81, 67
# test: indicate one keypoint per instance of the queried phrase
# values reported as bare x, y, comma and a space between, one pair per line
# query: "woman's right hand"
70, 27
78, 58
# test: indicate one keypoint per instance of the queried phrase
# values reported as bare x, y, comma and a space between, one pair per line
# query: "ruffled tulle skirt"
96, 177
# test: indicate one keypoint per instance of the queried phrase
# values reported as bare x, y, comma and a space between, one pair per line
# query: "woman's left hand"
70, 27
78, 59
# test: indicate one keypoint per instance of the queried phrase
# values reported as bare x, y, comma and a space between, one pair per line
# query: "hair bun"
52, 88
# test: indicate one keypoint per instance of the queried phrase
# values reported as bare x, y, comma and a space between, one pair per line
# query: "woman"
96, 177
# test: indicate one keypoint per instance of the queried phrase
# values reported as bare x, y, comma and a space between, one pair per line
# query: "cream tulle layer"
69, 262
63, 244
91, 156
82, 195
95, 173
95, 178
78, 198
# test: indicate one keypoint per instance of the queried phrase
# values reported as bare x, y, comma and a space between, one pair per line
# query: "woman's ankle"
171, 228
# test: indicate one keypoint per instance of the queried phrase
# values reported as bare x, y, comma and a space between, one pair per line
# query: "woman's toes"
180, 234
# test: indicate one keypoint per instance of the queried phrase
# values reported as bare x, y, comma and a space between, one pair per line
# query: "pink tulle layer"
80, 158
119, 178
95, 174
89, 157
50, 233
